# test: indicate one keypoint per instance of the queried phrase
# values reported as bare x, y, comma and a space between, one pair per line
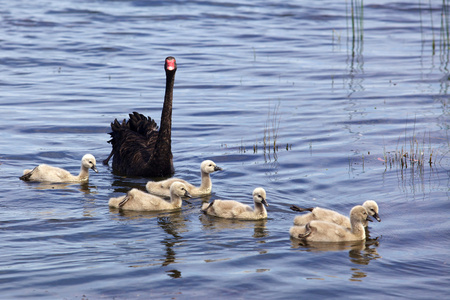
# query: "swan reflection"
172, 223
364, 256
359, 252
328, 246
82, 187
219, 224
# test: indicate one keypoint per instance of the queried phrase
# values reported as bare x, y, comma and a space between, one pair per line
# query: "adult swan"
139, 149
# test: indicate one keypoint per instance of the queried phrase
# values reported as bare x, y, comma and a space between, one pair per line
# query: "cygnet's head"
259, 196
208, 167
88, 161
372, 208
179, 189
359, 213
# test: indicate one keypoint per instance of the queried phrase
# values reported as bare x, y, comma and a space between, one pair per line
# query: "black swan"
139, 149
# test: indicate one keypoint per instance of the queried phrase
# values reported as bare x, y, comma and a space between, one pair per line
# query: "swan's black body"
139, 149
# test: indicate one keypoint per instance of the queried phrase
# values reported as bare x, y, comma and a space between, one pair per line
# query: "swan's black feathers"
142, 124
138, 123
138, 133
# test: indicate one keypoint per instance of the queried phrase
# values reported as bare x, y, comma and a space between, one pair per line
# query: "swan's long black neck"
162, 158
165, 128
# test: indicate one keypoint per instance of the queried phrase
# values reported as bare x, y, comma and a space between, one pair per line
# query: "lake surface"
354, 95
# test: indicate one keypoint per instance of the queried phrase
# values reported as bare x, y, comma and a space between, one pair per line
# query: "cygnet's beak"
376, 216
216, 168
186, 194
95, 169
265, 202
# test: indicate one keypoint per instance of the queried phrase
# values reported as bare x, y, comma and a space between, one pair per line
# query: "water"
342, 86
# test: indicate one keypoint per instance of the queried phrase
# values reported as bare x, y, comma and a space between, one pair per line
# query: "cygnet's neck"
260, 209
358, 228
175, 200
206, 184
84, 173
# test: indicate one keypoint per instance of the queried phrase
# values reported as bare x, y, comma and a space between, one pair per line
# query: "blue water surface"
317, 102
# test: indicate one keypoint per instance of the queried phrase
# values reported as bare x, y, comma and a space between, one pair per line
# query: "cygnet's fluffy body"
235, 210
323, 214
322, 231
46, 173
138, 200
162, 188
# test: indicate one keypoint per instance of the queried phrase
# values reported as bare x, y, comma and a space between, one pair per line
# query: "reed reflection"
439, 46
355, 45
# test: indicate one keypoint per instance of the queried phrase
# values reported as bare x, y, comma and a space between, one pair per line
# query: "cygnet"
323, 231
235, 210
46, 173
138, 200
318, 213
161, 188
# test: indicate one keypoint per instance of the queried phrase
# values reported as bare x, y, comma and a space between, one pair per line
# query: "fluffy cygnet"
322, 231
235, 210
46, 173
161, 188
318, 213
141, 201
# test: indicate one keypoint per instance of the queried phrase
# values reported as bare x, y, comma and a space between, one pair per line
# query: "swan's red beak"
171, 64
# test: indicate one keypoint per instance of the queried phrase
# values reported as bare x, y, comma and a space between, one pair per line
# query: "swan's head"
88, 161
359, 213
372, 208
259, 196
170, 64
179, 189
208, 166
